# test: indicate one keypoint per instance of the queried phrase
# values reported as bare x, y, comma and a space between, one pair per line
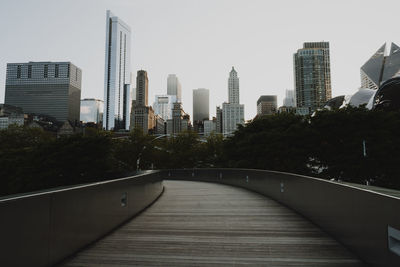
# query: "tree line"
350, 144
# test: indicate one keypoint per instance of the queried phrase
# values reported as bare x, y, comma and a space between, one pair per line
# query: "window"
56, 71
29, 71
68, 70
46, 71
18, 71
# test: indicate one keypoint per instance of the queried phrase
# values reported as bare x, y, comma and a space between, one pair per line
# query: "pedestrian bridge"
202, 217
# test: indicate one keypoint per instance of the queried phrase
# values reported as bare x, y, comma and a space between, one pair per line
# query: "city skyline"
202, 46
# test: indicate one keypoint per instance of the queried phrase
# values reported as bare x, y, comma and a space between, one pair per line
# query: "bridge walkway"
206, 224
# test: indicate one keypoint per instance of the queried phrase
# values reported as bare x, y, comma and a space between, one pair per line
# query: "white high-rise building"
289, 100
233, 111
174, 87
163, 106
233, 87
117, 74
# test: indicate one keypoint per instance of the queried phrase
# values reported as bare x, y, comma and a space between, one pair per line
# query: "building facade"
180, 121
218, 115
117, 74
163, 106
142, 116
312, 75
232, 115
201, 104
267, 105
45, 88
10, 115
233, 111
289, 100
92, 110
210, 126
380, 67
174, 87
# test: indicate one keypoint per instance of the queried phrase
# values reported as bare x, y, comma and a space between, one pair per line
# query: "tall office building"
142, 88
267, 105
180, 120
289, 100
380, 67
45, 88
312, 76
233, 111
233, 87
117, 74
201, 104
143, 116
174, 87
92, 110
163, 106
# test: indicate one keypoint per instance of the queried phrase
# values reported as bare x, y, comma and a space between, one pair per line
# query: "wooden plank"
203, 224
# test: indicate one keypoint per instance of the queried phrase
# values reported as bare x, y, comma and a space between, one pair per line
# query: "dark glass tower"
45, 88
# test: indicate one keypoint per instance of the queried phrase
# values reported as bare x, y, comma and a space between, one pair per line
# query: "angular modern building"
45, 88
233, 111
92, 110
312, 76
267, 105
117, 74
380, 67
174, 87
201, 104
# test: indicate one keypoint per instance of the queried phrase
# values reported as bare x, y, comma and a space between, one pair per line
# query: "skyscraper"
201, 104
92, 110
380, 67
142, 115
163, 106
142, 88
233, 87
45, 88
233, 111
117, 74
267, 105
312, 76
289, 100
174, 87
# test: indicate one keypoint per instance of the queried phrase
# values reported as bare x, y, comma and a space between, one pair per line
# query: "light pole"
144, 147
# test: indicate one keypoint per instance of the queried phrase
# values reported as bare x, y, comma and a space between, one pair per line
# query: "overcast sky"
200, 41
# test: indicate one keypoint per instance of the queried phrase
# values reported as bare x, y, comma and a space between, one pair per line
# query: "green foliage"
270, 142
328, 145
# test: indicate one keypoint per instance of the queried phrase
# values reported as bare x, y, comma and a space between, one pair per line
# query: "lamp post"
144, 147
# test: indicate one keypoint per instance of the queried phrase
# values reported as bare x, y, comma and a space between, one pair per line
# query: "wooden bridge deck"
203, 224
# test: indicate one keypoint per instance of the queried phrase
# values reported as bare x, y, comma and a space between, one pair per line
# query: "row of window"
45, 71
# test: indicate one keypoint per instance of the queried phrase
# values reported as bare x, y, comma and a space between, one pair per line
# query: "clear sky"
200, 41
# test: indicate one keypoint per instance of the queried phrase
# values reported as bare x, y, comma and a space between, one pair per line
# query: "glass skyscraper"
45, 88
312, 76
92, 110
117, 74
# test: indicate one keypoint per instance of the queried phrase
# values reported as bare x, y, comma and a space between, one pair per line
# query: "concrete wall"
357, 218
42, 229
